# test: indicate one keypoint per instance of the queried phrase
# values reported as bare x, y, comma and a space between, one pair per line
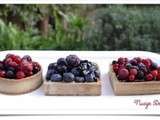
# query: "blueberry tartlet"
72, 76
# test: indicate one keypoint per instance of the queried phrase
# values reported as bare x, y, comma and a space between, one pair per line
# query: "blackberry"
27, 57
61, 69
76, 71
36, 67
90, 77
56, 78
68, 77
114, 62
73, 60
133, 62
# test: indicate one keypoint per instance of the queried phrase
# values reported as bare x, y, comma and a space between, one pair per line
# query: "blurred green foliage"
82, 27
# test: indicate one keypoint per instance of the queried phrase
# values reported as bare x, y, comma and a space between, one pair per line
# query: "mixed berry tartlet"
135, 76
72, 76
19, 75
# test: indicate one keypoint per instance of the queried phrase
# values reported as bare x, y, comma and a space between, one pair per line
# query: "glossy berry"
52, 66
149, 77
154, 73
20, 75
147, 62
56, 78
61, 61
10, 74
114, 62
36, 67
2, 73
123, 74
68, 77
76, 71
133, 71
131, 77
27, 57
140, 75
90, 78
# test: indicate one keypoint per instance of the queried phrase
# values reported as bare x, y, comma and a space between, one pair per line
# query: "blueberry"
85, 72
52, 66
75, 71
56, 78
61, 68
49, 73
68, 77
73, 60
11, 69
10, 74
79, 79
90, 78
61, 61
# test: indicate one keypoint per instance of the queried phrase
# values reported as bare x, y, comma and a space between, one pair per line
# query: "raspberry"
123, 74
36, 67
133, 72
2, 74
149, 77
131, 77
20, 75
154, 73
147, 62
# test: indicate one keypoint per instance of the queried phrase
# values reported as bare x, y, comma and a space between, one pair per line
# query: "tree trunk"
44, 26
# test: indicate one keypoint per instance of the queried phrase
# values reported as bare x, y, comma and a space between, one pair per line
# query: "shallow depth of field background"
80, 27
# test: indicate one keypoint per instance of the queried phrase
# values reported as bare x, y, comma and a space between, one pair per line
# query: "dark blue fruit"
61, 68
68, 77
10, 74
52, 66
61, 61
90, 78
79, 79
73, 60
56, 78
75, 71
49, 73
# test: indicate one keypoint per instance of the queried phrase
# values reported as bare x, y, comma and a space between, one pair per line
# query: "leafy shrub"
119, 27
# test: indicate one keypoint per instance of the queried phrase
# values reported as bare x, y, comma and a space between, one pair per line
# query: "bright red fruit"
149, 77
2, 73
123, 74
20, 75
133, 72
131, 77
147, 62
154, 73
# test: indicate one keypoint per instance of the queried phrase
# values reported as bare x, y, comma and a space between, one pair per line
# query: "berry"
52, 66
115, 67
131, 77
133, 71
128, 65
140, 75
49, 74
90, 78
97, 73
75, 71
36, 67
154, 66
2, 74
149, 77
73, 60
10, 74
121, 60
114, 62
56, 78
79, 79
123, 74
61, 68
61, 61
154, 73
138, 59
27, 57
158, 76
68, 77
133, 62
1, 65
20, 75
147, 62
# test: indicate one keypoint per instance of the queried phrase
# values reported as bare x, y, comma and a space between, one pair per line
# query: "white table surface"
36, 103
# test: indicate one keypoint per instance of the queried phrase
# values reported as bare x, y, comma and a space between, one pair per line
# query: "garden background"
80, 27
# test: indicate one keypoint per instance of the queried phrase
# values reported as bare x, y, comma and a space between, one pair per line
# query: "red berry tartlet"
19, 75
135, 76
